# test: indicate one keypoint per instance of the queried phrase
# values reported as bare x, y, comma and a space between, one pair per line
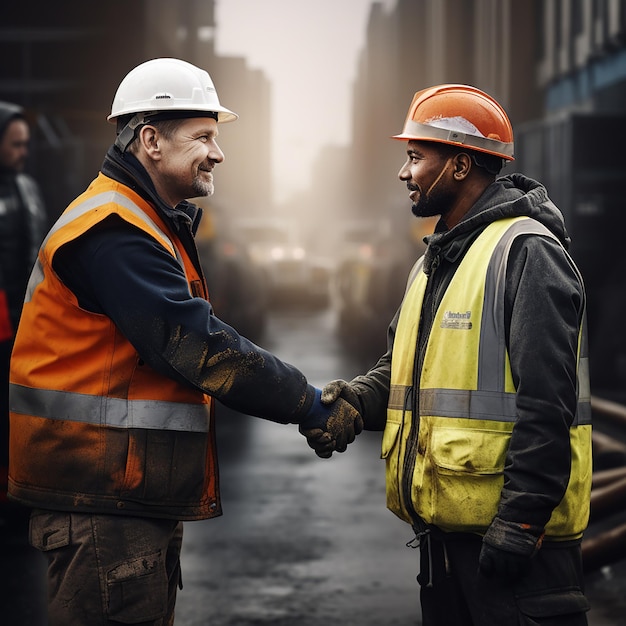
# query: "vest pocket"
467, 476
166, 467
391, 450
390, 435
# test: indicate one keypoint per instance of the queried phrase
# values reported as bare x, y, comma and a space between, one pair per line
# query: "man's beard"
203, 188
435, 203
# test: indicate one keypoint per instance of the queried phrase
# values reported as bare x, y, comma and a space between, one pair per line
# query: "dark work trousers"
453, 591
109, 569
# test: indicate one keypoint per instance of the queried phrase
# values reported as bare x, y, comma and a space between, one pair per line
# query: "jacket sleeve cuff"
305, 406
516, 537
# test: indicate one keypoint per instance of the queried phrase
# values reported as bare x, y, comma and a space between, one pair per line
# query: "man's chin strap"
127, 135
443, 169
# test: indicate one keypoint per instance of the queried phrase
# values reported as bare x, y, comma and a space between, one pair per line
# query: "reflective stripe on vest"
107, 411
464, 431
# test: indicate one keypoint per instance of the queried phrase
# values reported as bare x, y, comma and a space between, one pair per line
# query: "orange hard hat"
459, 115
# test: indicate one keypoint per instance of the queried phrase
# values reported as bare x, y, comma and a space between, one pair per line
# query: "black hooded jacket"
544, 308
23, 223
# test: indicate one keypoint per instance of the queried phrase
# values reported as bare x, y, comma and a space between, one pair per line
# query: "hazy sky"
308, 49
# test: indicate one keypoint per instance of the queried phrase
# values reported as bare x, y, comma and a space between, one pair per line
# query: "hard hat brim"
414, 131
224, 115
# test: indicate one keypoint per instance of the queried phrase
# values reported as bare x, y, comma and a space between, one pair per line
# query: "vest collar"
127, 170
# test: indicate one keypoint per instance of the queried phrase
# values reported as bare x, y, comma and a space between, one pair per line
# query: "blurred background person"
22, 227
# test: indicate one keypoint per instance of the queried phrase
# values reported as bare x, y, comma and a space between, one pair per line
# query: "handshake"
334, 420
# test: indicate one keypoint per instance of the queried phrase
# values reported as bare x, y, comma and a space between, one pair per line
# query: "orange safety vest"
94, 428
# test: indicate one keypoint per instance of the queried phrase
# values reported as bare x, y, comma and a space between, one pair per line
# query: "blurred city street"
311, 205
303, 541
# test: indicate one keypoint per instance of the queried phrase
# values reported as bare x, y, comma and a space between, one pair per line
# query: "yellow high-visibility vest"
467, 400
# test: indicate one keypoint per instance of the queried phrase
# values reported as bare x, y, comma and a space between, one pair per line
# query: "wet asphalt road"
303, 541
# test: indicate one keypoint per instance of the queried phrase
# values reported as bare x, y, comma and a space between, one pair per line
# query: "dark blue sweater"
119, 271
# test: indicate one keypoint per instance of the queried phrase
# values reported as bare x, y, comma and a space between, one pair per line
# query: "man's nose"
404, 173
215, 152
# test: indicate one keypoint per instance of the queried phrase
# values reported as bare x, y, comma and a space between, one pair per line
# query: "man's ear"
149, 139
462, 164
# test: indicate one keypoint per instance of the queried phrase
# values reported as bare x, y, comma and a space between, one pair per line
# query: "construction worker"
118, 360
23, 224
483, 395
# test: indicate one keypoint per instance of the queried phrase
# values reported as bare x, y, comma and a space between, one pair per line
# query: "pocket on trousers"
556, 603
49, 531
137, 590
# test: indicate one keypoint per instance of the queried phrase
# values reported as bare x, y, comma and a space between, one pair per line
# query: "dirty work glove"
330, 428
341, 389
508, 548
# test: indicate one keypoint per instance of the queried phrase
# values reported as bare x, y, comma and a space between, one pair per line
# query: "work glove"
341, 389
330, 427
508, 548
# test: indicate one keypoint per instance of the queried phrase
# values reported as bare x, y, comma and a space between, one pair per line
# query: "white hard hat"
162, 85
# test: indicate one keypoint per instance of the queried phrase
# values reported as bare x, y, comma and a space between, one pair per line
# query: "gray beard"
201, 188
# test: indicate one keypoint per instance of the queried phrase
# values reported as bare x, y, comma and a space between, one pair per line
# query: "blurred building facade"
63, 61
559, 69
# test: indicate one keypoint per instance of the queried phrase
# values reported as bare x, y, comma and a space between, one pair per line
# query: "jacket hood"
514, 195
517, 195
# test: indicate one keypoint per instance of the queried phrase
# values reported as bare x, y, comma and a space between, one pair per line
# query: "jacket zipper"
431, 298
